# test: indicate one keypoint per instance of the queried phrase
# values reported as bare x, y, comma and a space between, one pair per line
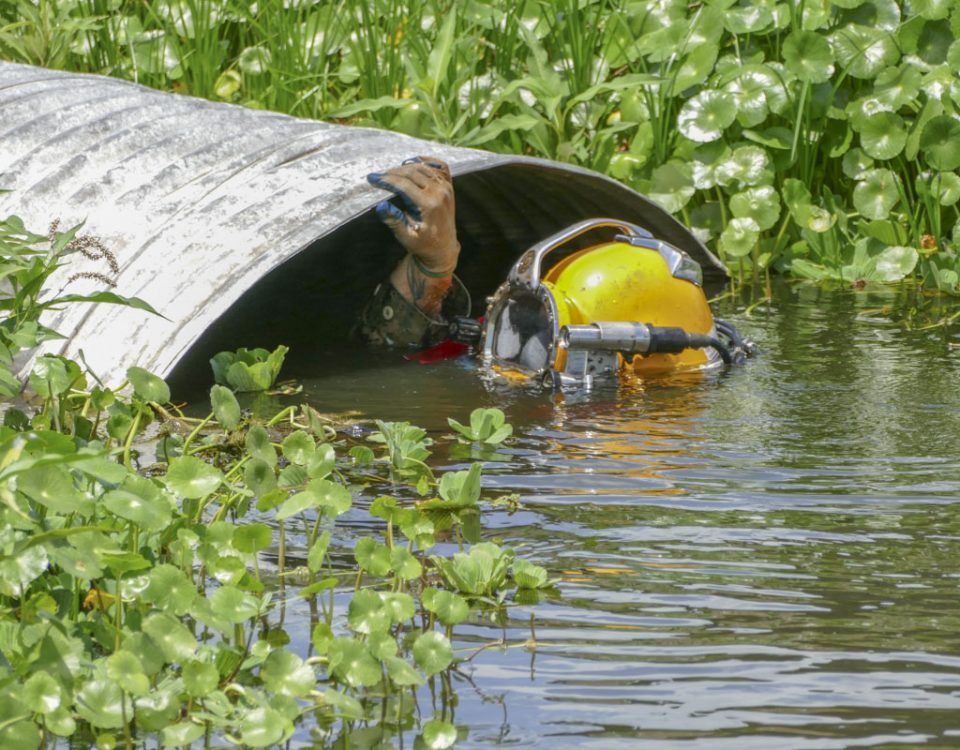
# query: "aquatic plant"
816, 139
149, 561
487, 427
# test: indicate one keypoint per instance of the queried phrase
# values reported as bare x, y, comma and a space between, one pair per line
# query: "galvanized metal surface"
199, 200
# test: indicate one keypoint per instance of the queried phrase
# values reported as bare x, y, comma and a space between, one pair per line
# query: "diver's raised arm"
425, 227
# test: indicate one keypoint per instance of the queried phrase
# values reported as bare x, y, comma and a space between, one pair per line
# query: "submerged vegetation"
819, 139
149, 561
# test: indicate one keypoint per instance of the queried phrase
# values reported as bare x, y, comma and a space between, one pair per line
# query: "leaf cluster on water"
713, 109
134, 601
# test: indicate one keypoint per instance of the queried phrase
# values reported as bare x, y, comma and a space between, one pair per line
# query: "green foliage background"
819, 138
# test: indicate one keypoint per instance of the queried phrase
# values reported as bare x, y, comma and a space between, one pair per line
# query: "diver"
635, 304
414, 305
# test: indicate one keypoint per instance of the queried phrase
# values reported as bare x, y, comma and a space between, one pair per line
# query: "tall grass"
818, 138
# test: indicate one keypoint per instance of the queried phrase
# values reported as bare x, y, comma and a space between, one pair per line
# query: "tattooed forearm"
425, 292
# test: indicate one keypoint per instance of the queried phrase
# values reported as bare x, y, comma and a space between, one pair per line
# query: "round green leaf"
252, 537
405, 564
263, 727
285, 673
367, 613
439, 735
762, 204
863, 51
933, 43
739, 237
748, 165
148, 386
158, 708
170, 589
401, 673
200, 678
352, 663
451, 609
372, 556
259, 477
151, 514
399, 605
432, 652
671, 185
171, 636
704, 117
126, 671
897, 86
100, 702
192, 478
226, 408
856, 163
233, 605
876, 194
41, 693
940, 143
297, 503
883, 135
184, 733
51, 486
334, 498
932, 9
895, 263
259, 446
944, 185
298, 447
254, 61
808, 56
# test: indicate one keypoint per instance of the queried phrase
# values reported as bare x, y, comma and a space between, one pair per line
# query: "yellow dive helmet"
633, 305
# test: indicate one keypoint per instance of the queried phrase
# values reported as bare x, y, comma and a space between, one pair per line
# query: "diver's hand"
425, 225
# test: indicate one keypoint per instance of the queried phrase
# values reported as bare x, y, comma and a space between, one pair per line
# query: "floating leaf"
704, 117
876, 194
527, 575
184, 733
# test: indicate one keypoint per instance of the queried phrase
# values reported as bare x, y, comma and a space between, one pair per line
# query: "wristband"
427, 272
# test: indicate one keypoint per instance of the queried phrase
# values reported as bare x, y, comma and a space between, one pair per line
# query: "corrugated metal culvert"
249, 228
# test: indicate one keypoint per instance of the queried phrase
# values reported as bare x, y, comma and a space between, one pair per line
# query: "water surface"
768, 557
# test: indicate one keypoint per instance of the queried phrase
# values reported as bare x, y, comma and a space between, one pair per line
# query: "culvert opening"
311, 301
